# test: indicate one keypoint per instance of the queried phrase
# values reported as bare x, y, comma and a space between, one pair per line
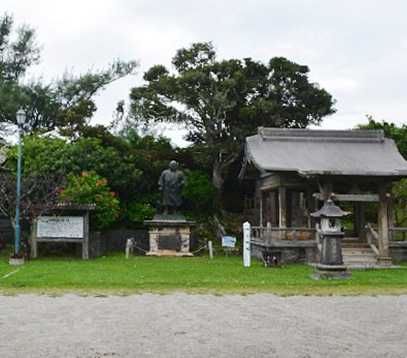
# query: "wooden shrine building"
293, 171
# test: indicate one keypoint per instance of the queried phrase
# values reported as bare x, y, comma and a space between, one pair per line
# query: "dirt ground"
180, 325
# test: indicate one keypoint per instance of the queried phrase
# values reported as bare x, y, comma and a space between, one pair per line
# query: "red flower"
101, 196
113, 193
97, 203
115, 216
98, 183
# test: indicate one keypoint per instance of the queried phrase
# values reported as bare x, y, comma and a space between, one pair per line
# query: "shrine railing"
272, 234
398, 233
372, 238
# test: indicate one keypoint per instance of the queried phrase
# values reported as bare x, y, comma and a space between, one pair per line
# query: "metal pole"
17, 232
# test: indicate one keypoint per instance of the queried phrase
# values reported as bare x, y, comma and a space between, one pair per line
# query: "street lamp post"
21, 116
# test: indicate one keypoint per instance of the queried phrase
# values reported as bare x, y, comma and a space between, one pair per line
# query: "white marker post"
210, 248
246, 244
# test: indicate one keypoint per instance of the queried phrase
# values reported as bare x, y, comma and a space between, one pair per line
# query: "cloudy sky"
356, 49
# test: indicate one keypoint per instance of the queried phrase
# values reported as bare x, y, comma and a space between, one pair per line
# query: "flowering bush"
90, 188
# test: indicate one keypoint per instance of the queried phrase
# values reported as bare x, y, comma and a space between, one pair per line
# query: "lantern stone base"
330, 272
169, 237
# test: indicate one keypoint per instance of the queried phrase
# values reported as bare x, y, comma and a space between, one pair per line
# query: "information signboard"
60, 227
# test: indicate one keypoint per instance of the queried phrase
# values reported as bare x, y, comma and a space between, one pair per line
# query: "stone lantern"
331, 266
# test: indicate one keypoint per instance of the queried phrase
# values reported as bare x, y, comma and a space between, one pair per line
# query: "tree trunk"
217, 180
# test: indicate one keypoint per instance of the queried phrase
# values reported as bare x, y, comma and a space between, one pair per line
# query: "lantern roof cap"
330, 210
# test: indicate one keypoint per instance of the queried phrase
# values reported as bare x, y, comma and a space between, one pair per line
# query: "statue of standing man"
170, 183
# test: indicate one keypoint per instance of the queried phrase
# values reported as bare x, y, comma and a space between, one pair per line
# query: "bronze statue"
170, 183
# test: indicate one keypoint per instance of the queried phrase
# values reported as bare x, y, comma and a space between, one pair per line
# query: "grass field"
114, 274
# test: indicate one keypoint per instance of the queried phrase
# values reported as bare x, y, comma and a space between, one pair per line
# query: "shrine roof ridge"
321, 134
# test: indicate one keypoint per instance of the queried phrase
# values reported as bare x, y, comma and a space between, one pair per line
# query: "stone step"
355, 244
358, 252
356, 260
360, 259
353, 257
361, 266
363, 248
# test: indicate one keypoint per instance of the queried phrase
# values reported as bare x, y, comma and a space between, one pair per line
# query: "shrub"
138, 212
199, 189
90, 188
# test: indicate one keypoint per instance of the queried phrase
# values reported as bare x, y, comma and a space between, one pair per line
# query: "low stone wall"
398, 251
288, 252
115, 240
6, 230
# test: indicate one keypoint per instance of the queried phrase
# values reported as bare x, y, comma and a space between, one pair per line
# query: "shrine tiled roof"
325, 152
68, 207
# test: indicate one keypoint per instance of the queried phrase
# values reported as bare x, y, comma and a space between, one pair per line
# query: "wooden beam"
60, 239
350, 197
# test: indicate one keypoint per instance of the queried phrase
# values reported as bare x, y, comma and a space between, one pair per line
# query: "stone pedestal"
169, 237
331, 266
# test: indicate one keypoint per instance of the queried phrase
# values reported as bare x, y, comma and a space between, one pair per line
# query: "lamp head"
21, 116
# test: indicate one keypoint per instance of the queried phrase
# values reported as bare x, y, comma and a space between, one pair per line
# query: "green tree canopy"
223, 101
66, 102
398, 134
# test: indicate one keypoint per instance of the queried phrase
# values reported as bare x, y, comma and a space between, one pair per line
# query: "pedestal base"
16, 261
169, 253
331, 272
169, 237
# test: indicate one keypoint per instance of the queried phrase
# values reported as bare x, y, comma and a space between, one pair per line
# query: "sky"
355, 49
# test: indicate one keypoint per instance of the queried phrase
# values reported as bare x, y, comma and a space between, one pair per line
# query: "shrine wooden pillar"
261, 209
310, 206
390, 213
273, 208
282, 207
360, 221
383, 257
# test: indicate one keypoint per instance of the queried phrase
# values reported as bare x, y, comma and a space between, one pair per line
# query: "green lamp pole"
21, 116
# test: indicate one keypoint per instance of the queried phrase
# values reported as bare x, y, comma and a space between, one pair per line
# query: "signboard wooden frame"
57, 229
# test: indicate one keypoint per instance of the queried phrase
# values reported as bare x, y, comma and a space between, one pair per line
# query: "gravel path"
180, 325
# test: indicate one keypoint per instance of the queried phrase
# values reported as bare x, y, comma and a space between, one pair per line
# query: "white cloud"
356, 49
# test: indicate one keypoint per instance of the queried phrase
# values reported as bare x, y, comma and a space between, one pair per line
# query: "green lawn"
115, 274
